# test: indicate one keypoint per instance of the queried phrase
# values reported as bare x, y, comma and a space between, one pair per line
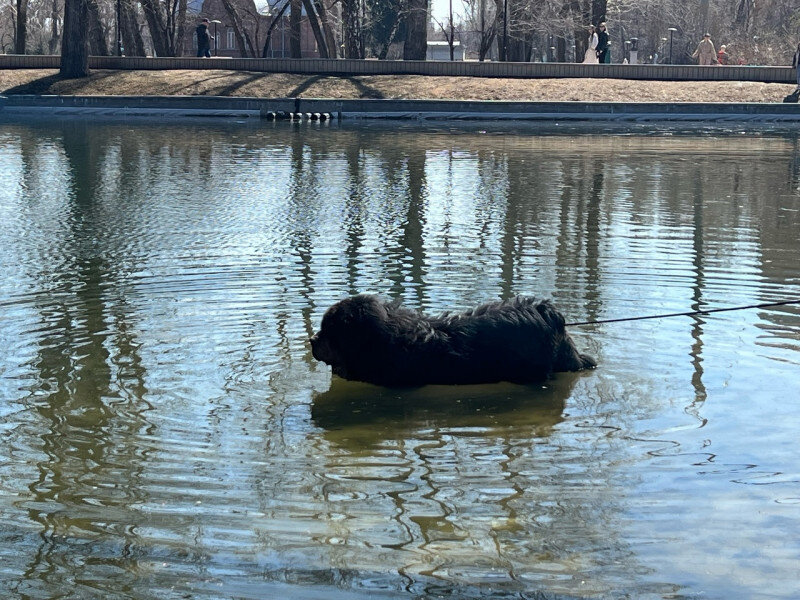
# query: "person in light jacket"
796, 63
705, 52
590, 57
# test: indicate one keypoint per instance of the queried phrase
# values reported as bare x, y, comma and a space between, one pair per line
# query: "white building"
441, 51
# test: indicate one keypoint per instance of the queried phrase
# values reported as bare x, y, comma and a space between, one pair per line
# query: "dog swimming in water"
520, 340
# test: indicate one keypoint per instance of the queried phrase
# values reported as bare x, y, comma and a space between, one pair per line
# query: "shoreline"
317, 109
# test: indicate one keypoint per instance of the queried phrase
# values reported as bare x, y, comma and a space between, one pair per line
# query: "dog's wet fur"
521, 340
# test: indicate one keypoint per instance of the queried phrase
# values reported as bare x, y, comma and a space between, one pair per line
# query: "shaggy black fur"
519, 340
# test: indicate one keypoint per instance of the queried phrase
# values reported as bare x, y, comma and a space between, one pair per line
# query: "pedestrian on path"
796, 63
590, 57
705, 52
203, 39
603, 51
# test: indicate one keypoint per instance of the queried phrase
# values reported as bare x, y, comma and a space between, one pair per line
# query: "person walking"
590, 58
603, 51
705, 52
203, 39
723, 57
796, 63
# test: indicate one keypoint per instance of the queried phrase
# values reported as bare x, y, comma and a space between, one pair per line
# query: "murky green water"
167, 434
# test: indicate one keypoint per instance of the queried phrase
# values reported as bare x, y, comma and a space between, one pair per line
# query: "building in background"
255, 22
441, 51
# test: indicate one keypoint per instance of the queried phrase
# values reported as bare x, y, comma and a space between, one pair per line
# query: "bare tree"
55, 20
165, 21
481, 24
448, 30
416, 20
129, 25
277, 18
322, 45
75, 44
295, 15
352, 26
22, 27
98, 45
243, 39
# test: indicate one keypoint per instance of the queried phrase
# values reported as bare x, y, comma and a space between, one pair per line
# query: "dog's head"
565, 355
347, 336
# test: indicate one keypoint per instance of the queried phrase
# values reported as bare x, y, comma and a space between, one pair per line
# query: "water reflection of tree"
579, 232
475, 481
698, 288
90, 390
410, 249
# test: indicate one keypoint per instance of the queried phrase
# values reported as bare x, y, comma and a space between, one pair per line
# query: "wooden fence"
348, 67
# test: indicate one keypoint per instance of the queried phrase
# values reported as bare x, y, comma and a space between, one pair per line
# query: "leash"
690, 313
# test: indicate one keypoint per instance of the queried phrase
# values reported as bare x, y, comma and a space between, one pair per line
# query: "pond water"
166, 432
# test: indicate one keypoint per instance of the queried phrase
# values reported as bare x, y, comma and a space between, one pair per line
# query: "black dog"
519, 340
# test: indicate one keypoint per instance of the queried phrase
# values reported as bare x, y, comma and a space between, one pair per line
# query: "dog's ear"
367, 308
358, 313
551, 316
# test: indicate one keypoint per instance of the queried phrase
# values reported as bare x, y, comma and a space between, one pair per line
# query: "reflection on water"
166, 432
366, 413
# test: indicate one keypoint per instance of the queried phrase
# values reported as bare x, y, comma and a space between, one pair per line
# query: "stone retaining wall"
301, 108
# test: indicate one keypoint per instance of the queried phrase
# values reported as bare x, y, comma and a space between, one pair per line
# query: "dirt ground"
278, 85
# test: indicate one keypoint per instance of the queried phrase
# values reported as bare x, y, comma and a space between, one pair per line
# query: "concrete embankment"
303, 108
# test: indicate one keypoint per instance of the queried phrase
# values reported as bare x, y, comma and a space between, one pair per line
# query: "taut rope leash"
690, 313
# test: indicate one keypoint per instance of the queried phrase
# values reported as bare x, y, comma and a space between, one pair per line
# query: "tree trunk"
22, 27
75, 40
295, 14
488, 31
501, 21
704, 6
54, 34
599, 11
131, 35
561, 49
156, 26
315, 28
330, 39
384, 51
352, 29
416, 46
744, 14
276, 19
181, 33
98, 46
247, 49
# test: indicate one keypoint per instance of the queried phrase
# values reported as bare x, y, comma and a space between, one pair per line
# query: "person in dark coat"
603, 51
203, 39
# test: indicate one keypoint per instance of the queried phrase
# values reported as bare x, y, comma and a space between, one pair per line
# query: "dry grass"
278, 85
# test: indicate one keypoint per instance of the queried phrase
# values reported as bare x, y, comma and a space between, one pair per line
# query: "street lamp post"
672, 30
216, 38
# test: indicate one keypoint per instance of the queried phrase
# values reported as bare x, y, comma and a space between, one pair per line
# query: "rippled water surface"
167, 434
